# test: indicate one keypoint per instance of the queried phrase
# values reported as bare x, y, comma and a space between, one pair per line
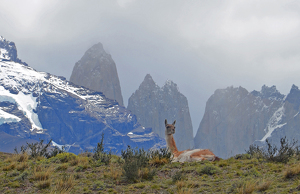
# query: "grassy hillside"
68, 173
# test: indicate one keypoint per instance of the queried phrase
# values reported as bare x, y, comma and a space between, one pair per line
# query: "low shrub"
274, 154
243, 156
63, 157
147, 173
134, 161
14, 184
22, 176
38, 149
100, 154
159, 157
12, 174
209, 169
178, 176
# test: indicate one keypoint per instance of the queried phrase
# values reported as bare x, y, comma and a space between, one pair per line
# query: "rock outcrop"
235, 118
97, 71
152, 105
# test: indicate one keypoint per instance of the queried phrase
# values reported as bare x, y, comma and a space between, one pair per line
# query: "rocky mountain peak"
96, 50
148, 83
294, 96
96, 70
269, 92
153, 104
170, 85
294, 88
8, 50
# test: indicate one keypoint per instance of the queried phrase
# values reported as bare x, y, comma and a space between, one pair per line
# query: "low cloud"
200, 45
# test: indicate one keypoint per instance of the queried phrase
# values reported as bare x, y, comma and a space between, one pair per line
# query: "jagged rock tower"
235, 118
152, 105
96, 70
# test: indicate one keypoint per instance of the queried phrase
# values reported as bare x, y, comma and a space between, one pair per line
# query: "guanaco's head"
170, 128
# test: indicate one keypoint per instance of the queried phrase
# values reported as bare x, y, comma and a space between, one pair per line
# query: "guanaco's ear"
174, 122
166, 122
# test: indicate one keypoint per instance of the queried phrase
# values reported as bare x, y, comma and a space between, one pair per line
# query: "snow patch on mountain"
7, 118
26, 103
274, 123
61, 147
4, 54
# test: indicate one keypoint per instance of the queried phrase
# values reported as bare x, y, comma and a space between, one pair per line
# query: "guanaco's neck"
171, 143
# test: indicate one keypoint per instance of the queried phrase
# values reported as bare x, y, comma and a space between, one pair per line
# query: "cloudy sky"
200, 45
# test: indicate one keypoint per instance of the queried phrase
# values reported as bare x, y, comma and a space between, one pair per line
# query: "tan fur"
186, 155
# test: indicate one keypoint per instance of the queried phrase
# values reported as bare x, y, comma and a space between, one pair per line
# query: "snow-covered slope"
40, 105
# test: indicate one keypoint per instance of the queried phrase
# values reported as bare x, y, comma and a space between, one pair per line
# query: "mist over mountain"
36, 105
153, 104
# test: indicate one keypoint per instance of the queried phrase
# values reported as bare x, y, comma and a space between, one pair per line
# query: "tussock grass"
156, 161
10, 166
247, 187
62, 167
79, 161
291, 172
41, 174
22, 166
43, 184
264, 185
114, 172
65, 184
185, 190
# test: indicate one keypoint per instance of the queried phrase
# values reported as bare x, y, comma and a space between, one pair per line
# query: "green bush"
161, 153
63, 158
136, 164
40, 149
99, 153
273, 153
178, 176
209, 169
243, 156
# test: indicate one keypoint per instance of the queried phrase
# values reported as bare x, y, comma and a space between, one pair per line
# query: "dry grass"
248, 187
65, 184
22, 166
156, 161
180, 184
291, 172
22, 157
10, 167
185, 191
43, 184
115, 173
63, 166
41, 174
264, 185
74, 162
